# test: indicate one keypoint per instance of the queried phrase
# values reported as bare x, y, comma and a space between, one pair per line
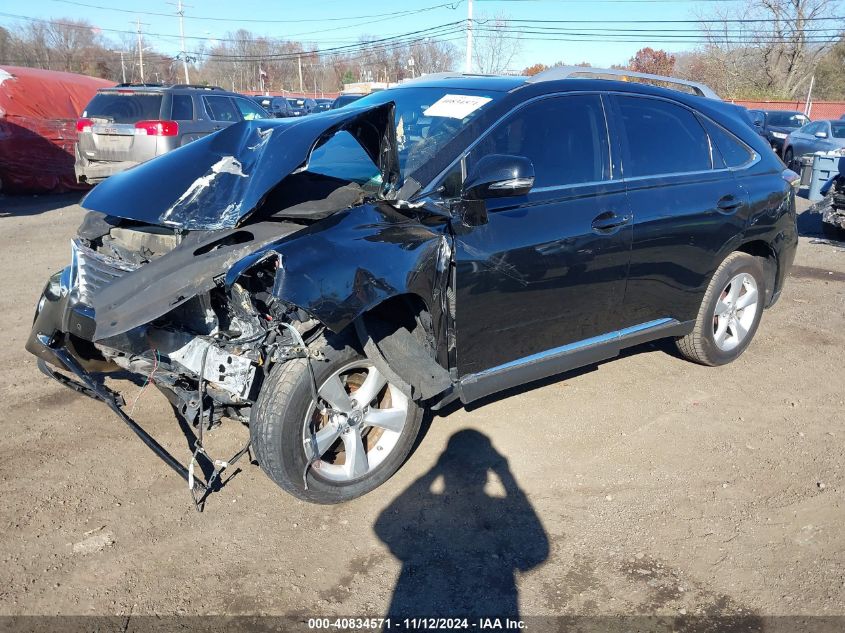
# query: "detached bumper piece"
200, 490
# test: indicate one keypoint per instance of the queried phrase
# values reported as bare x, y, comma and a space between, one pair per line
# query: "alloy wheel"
361, 426
735, 311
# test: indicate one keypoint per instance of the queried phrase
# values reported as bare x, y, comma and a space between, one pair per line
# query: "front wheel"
359, 434
787, 157
730, 312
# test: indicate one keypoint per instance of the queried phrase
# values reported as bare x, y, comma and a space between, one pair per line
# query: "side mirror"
821, 135
499, 176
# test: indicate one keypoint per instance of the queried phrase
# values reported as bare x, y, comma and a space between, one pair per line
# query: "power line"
451, 5
88, 27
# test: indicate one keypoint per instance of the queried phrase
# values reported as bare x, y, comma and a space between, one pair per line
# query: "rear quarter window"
728, 151
124, 107
662, 138
182, 108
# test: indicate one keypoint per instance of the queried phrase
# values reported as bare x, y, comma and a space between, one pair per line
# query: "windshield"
428, 119
129, 107
787, 119
837, 129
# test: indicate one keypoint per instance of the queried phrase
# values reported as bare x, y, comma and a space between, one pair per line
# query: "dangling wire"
146, 382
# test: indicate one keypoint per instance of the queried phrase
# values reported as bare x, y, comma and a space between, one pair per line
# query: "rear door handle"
728, 202
608, 221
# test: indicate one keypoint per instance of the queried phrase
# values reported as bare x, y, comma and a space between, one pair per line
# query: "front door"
548, 268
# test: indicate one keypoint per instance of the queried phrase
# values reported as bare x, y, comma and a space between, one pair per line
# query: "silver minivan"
131, 123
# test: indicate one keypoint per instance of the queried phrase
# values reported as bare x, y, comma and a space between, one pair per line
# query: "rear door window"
129, 107
250, 110
564, 137
662, 138
221, 109
182, 108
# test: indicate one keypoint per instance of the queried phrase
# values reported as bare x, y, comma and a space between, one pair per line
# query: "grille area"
95, 271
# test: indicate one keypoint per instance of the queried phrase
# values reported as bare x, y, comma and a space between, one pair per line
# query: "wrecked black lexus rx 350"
326, 279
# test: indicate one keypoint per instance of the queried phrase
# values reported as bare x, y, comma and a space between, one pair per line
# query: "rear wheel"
730, 312
788, 157
359, 440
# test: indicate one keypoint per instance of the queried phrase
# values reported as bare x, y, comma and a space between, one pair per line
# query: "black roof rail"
158, 85
197, 86
140, 85
619, 74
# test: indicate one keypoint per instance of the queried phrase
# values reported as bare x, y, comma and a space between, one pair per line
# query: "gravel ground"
644, 485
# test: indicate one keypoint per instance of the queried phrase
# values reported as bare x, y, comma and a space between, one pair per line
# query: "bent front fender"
352, 261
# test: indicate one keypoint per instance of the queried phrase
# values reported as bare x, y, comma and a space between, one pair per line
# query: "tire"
788, 157
284, 411
740, 273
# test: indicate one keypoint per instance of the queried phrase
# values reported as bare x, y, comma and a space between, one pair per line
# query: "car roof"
165, 88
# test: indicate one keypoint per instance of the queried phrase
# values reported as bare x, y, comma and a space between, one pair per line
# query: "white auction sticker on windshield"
455, 106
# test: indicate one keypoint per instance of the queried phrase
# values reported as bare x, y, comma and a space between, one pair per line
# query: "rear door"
112, 136
685, 207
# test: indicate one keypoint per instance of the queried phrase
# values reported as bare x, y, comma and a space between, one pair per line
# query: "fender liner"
398, 354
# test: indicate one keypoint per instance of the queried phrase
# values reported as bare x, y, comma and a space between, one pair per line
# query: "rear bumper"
94, 171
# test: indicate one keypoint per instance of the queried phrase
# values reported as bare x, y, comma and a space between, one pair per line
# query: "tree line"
761, 49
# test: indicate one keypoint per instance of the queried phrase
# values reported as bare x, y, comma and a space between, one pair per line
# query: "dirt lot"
649, 485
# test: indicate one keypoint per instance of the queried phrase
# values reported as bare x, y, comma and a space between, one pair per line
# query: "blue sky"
306, 20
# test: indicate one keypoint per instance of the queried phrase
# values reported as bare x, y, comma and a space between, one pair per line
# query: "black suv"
131, 123
326, 279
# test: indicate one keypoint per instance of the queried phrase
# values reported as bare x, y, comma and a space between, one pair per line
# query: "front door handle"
608, 221
728, 202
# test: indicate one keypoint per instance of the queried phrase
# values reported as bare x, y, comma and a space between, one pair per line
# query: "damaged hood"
215, 182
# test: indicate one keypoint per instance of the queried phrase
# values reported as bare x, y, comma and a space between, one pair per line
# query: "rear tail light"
157, 128
83, 125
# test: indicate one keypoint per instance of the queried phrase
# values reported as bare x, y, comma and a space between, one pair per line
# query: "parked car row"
281, 107
792, 134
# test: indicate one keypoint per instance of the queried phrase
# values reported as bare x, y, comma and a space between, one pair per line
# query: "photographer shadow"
461, 536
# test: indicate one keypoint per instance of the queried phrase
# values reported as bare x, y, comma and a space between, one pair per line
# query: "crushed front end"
207, 354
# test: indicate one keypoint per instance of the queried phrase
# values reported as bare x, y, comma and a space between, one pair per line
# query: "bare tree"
774, 56
496, 45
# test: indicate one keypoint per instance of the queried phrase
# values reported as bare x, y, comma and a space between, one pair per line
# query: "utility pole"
808, 104
299, 64
469, 37
140, 51
180, 11
122, 66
